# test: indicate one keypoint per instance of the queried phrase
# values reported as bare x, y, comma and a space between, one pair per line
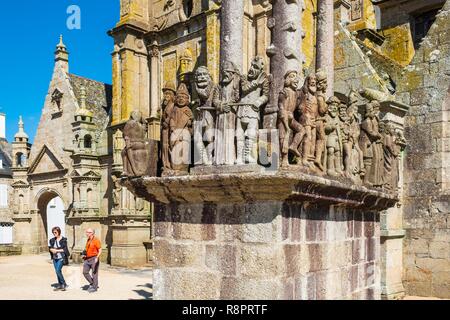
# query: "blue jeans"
58, 264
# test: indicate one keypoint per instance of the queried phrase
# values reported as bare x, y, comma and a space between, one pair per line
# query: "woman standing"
60, 256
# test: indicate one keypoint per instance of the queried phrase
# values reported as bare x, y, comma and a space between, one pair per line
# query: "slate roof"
98, 99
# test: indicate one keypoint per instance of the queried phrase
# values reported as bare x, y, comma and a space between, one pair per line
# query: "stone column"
213, 40
325, 41
155, 101
232, 26
285, 51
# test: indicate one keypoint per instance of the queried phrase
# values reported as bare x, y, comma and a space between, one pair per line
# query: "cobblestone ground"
32, 277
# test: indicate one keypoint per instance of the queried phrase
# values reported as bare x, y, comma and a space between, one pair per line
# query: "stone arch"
43, 204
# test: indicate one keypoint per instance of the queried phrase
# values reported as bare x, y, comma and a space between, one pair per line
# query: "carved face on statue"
322, 84
291, 80
369, 113
202, 78
183, 98
376, 108
136, 116
333, 106
228, 72
169, 96
256, 68
311, 84
343, 112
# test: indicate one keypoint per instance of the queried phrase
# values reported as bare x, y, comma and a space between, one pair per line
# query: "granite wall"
266, 250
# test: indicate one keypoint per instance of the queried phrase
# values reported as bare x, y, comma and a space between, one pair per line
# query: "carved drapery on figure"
180, 132
135, 155
205, 116
255, 95
288, 125
308, 108
371, 145
228, 97
167, 109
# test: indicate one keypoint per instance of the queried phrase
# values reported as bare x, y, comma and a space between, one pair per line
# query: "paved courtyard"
32, 277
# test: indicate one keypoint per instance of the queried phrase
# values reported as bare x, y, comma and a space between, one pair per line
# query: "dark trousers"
87, 266
58, 264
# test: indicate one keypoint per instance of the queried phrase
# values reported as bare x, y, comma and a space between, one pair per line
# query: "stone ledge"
10, 250
268, 186
392, 234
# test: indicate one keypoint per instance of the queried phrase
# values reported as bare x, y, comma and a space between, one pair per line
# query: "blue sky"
29, 31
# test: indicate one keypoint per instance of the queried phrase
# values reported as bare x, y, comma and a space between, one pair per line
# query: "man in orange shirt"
91, 260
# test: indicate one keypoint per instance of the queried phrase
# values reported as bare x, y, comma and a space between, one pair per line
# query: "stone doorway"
52, 212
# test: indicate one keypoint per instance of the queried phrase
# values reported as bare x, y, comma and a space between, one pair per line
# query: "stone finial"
21, 133
62, 55
83, 110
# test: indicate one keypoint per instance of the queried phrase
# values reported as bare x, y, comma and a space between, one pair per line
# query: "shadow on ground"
147, 295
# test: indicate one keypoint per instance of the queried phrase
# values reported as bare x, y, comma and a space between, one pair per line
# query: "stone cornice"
278, 186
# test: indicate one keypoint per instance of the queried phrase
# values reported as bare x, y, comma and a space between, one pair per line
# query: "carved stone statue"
393, 143
135, 155
370, 144
117, 193
180, 130
225, 102
308, 108
255, 95
322, 87
353, 156
167, 107
288, 126
205, 117
333, 138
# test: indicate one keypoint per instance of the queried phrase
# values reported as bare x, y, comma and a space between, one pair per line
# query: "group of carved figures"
327, 136
324, 136
224, 120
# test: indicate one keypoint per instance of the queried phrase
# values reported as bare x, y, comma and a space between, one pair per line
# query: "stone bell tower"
84, 128
21, 150
20, 200
86, 175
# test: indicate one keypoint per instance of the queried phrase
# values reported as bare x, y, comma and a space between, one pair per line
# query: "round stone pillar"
231, 29
325, 41
285, 51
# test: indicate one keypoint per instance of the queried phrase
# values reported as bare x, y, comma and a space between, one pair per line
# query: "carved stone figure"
308, 108
370, 144
117, 193
167, 107
135, 155
353, 156
322, 87
255, 95
225, 102
288, 126
393, 143
205, 118
333, 139
180, 131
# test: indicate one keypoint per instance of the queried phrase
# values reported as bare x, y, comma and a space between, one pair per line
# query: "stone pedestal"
283, 235
128, 241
